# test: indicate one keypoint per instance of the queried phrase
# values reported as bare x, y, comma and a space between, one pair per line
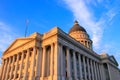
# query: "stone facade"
56, 55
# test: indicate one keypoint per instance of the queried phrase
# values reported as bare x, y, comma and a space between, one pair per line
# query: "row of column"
91, 70
11, 64
49, 61
41, 67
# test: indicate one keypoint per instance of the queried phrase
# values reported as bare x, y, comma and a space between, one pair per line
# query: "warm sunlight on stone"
56, 55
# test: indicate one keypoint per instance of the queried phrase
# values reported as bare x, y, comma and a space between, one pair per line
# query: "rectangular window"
18, 66
20, 56
17, 75
13, 67
15, 58
30, 53
24, 55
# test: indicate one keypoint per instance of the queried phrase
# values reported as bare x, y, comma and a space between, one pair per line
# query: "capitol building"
56, 55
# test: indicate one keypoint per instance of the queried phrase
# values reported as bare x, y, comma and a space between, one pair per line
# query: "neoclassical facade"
56, 55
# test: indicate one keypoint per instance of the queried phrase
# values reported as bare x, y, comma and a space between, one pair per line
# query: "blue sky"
101, 19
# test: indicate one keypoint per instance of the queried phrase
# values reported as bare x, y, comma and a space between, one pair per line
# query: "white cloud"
86, 18
111, 14
7, 36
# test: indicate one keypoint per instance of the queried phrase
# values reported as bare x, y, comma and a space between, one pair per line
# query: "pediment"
113, 60
18, 42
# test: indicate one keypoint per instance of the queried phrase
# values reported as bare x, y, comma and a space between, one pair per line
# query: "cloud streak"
7, 36
82, 13
87, 18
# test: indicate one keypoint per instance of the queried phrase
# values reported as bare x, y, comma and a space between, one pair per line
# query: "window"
13, 67
15, 58
11, 59
20, 56
18, 66
17, 75
8, 76
12, 76
30, 53
24, 55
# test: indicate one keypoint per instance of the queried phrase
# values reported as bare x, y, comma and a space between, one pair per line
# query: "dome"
77, 27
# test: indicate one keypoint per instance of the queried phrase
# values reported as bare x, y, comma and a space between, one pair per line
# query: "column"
101, 77
88, 67
56, 62
51, 63
61, 52
8, 67
26, 64
74, 59
43, 61
98, 71
4, 69
41, 57
16, 66
91, 64
32, 75
48, 61
68, 65
20, 77
80, 66
84, 68
95, 73
12, 67
38, 63
109, 71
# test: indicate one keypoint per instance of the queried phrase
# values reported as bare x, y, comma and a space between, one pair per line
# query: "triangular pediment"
18, 42
113, 60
